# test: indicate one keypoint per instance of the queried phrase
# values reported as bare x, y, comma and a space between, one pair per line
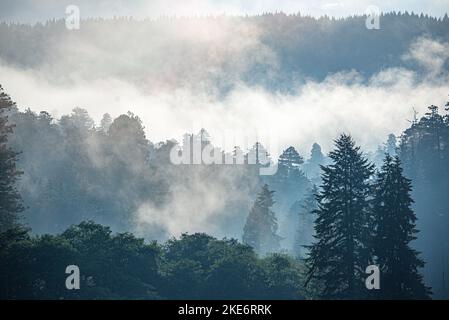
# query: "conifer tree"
394, 230
10, 199
312, 167
289, 164
260, 231
341, 252
424, 154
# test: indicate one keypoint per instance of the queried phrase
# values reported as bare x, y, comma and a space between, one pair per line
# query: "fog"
279, 80
182, 76
369, 109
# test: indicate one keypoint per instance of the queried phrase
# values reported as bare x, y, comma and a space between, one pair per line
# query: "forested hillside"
276, 51
359, 169
75, 171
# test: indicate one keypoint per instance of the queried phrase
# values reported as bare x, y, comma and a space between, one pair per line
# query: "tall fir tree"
341, 252
10, 199
289, 164
394, 230
260, 231
290, 184
312, 168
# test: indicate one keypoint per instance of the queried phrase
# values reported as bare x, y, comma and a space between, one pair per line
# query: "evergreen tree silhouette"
260, 231
341, 253
289, 164
394, 230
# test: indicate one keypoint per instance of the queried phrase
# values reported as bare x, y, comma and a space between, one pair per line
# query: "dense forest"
101, 191
71, 175
275, 51
121, 266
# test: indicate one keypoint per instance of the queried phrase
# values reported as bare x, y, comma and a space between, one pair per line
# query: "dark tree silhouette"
289, 163
312, 167
121, 266
341, 252
424, 152
394, 230
260, 231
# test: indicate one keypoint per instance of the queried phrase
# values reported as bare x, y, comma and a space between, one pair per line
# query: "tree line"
362, 219
122, 266
279, 50
365, 214
361, 216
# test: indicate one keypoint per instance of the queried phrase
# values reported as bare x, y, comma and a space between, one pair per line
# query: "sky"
32, 11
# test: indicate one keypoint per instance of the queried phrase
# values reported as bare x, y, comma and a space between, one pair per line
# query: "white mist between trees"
318, 113
193, 74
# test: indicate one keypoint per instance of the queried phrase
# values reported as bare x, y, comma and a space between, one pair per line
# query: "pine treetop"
394, 229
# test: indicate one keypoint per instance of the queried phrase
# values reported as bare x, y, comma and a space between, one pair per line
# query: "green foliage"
284, 276
30, 265
352, 229
363, 221
121, 266
113, 266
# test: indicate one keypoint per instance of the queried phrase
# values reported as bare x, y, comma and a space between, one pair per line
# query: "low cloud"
369, 109
316, 112
430, 54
